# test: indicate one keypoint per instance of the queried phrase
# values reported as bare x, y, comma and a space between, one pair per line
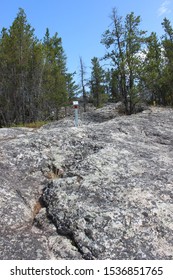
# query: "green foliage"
112, 85
141, 66
97, 87
34, 82
167, 77
72, 89
54, 75
152, 70
125, 43
157, 80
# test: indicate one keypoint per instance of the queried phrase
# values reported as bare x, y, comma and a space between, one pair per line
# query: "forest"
35, 83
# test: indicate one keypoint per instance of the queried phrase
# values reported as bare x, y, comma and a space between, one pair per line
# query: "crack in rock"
99, 191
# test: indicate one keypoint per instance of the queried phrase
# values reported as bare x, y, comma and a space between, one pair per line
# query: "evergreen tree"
33, 77
125, 42
16, 50
167, 78
5, 79
72, 88
54, 80
97, 83
112, 85
151, 80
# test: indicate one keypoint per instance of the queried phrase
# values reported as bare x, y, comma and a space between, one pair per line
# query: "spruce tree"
97, 87
54, 80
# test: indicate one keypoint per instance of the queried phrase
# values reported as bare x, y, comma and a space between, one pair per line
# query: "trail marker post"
76, 106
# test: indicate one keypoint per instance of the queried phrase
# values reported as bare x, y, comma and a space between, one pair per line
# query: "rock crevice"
103, 190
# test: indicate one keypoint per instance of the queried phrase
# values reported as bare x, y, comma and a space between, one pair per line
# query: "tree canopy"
35, 82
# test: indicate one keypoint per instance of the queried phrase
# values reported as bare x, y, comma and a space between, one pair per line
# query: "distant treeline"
35, 83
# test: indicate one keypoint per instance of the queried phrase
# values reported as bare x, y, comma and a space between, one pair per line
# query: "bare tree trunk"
82, 73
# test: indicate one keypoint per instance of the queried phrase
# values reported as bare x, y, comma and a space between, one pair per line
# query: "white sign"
75, 102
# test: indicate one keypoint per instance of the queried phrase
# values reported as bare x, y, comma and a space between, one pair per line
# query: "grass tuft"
36, 124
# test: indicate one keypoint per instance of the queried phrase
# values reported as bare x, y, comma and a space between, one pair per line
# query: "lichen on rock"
103, 190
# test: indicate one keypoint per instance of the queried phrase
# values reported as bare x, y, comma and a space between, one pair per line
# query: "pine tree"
72, 87
167, 79
34, 82
17, 42
112, 85
5, 93
151, 79
125, 42
54, 81
97, 83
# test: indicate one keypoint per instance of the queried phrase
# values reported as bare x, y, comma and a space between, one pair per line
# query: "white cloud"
164, 8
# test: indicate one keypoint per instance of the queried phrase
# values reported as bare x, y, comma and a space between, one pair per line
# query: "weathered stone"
103, 190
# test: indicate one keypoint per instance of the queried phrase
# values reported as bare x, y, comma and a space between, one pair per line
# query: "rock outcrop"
103, 190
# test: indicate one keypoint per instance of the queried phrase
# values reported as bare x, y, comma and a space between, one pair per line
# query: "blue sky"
80, 23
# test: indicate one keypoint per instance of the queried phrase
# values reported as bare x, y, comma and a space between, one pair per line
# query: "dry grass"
36, 124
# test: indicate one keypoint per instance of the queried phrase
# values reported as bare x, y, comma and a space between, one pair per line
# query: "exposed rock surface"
103, 190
